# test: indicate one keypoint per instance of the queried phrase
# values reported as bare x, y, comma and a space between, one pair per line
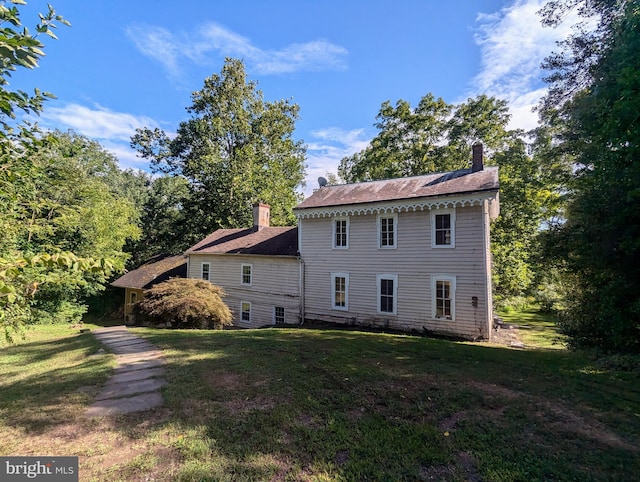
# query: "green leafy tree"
432, 137
75, 209
163, 220
235, 150
599, 244
529, 199
19, 48
408, 142
44, 214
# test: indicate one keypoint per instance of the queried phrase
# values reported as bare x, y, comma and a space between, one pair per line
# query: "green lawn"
534, 328
296, 404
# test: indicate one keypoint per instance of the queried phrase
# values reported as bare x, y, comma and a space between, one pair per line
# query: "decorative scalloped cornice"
405, 205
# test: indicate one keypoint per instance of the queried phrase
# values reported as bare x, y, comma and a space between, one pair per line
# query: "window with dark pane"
386, 295
443, 229
341, 233
387, 232
278, 314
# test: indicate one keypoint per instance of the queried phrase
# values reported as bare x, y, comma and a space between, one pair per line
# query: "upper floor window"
246, 274
387, 293
340, 291
341, 233
387, 228
443, 228
205, 271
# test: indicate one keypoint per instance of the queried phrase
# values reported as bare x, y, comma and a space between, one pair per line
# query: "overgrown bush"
184, 303
603, 314
512, 303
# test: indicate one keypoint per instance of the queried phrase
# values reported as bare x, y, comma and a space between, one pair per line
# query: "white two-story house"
410, 254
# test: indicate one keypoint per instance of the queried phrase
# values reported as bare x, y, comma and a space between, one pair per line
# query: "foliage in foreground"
60, 238
184, 303
599, 244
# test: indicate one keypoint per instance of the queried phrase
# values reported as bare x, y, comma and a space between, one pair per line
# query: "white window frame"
394, 278
334, 276
452, 218
243, 311
275, 318
202, 271
394, 217
452, 296
334, 232
242, 267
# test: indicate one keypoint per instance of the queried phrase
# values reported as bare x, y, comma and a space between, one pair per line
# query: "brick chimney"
261, 216
477, 163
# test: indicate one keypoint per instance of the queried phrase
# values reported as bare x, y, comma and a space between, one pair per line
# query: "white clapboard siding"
275, 281
414, 262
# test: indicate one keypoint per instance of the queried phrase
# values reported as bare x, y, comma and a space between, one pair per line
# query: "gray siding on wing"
275, 282
414, 262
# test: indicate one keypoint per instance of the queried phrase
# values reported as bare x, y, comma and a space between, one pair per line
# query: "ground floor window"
443, 289
245, 311
278, 314
339, 291
205, 272
387, 293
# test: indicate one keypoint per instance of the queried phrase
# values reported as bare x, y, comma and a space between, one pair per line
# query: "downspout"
487, 269
302, 289
301, 272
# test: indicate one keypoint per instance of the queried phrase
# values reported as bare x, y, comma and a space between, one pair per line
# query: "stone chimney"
477, 163
261, 216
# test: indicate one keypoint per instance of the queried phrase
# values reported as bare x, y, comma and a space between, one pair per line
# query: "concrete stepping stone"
138, 376
134, 375
137, 403
139, 365
122, 390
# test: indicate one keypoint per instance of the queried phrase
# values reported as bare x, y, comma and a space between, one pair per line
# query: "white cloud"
513, 43
324, 154
213, 39
98, 122
127, 157
112, 129
157, 43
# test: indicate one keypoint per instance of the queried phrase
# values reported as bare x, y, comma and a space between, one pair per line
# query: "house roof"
430, 185
269, 241
154, 271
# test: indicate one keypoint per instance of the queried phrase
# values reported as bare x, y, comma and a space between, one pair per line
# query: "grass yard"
535, 329
323, 405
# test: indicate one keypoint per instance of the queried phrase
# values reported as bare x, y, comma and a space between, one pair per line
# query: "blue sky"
133, 64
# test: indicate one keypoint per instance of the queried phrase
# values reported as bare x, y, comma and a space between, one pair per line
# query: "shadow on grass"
44, 383
300, 404
268, 403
